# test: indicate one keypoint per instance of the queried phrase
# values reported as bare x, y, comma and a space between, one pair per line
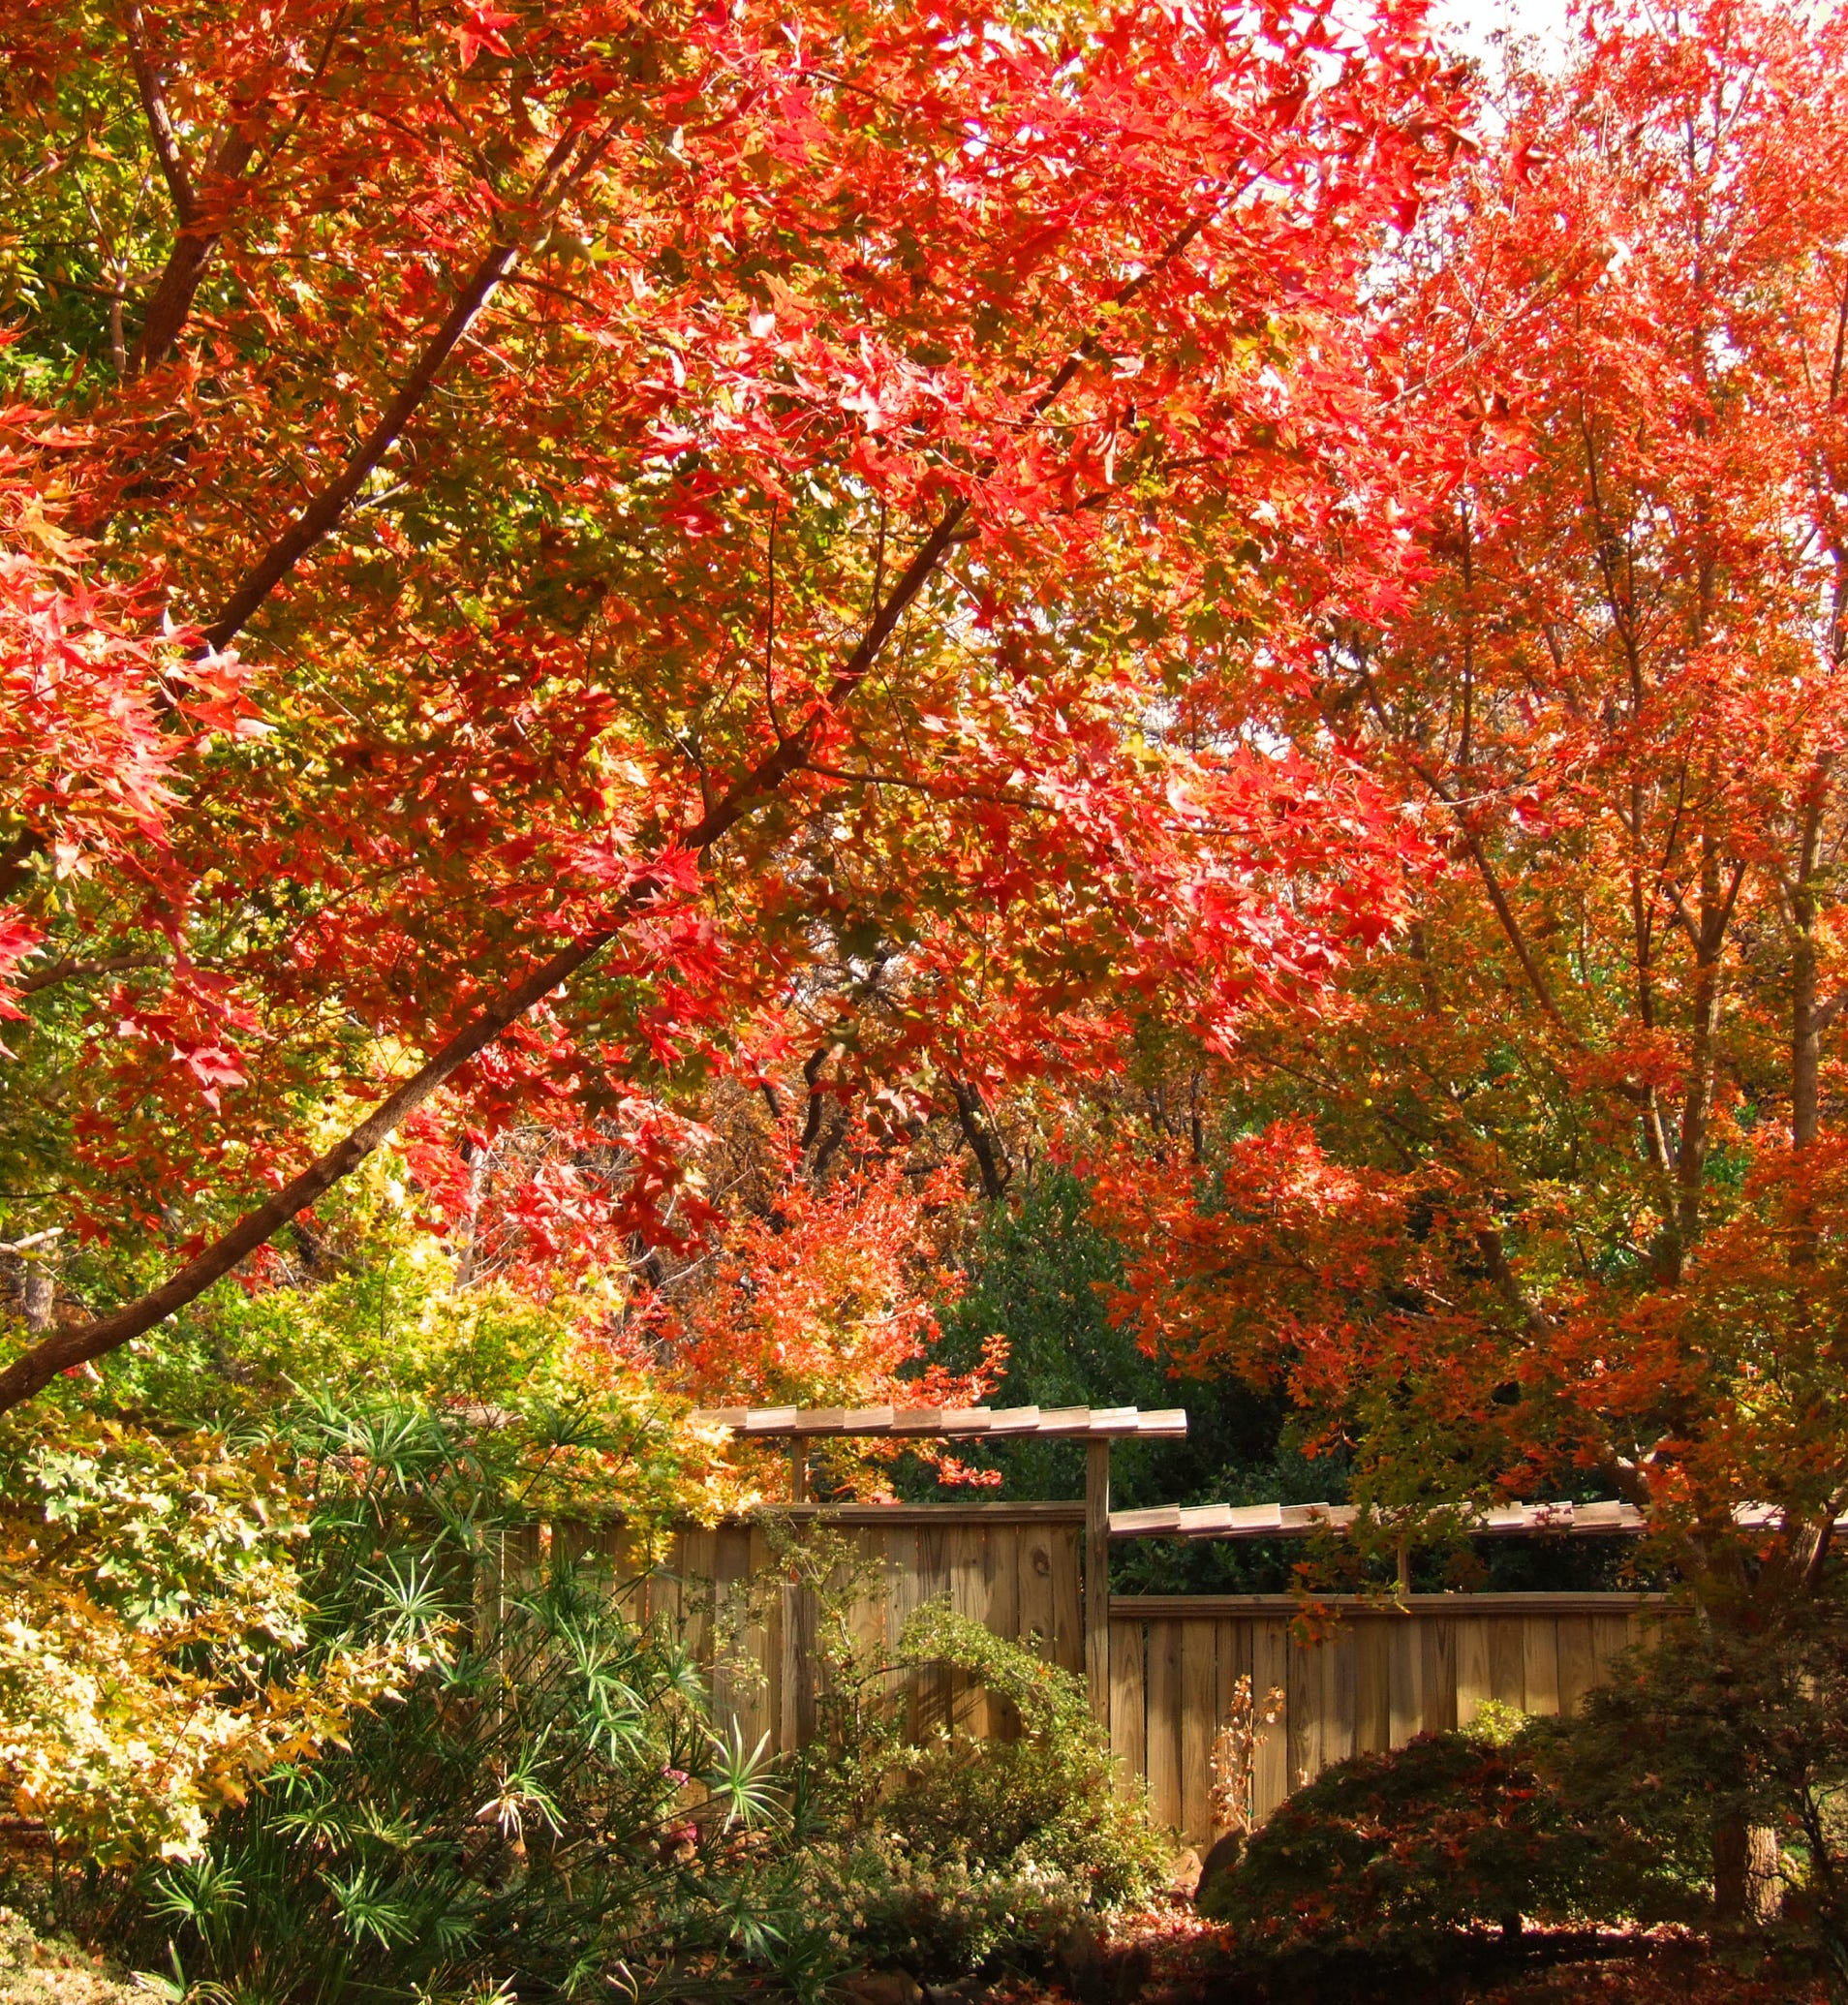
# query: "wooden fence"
1378, 1677
1379, 1674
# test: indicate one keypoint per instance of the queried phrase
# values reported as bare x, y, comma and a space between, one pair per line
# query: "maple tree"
556, 553
1551, 1194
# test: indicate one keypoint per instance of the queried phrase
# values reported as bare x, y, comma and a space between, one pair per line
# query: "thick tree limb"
79, 1344
972, 1117
160, 123
74, 1346
60, 971
201, 225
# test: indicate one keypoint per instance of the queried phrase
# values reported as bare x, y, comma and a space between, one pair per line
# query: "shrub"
946, 1852
1696, 1738
1448, 1832
150, 1595
874, 1898
543, 1805
1044, 1802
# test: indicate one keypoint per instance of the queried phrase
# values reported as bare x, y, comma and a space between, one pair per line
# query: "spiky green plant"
544, 1808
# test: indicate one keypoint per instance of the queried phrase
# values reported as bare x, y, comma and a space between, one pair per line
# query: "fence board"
1303, 1688
1341, 1668
1000, 1573
1540, 1662
1199, 1721
1507, 1660
1374, 1699
1129, 1704
1474, 1682
969, 1596
1035, 1550
1406, 1672
1271, 1672
1163, 1729
1068, 1614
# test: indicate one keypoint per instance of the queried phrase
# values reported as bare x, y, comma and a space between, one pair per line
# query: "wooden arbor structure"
1097, 1427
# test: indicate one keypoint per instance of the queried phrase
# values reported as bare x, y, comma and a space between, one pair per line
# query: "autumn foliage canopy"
693, 616
555, 554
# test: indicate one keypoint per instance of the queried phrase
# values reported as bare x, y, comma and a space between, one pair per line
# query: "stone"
1217, 1866
883, 1988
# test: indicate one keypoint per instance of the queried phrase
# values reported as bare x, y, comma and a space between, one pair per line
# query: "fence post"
1097, 1579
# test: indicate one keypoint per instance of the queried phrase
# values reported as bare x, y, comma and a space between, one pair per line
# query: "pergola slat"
1300, 1521
944, 1423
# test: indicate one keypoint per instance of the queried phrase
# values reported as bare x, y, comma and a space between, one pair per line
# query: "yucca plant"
543, 1805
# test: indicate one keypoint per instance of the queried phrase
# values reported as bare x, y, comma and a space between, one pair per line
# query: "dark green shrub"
1700, 1738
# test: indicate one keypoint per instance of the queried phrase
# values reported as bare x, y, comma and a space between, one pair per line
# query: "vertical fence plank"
903, 1572
1304, 1686
1068, 1621
1341, 1666
1199, 1719
1577, 1660
1128, 1701
969, 1597
1507, 1661
932, 1684
1000, 1573
1373, 1684
1540, 1654
1164, 1720
1474, 1681
1271, 1780
699, 1551
1406, 1655
1610, 1634
1437, 1646
730, 1576
1036, 1558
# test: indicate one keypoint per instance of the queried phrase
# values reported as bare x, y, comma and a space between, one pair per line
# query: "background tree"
1550, 1199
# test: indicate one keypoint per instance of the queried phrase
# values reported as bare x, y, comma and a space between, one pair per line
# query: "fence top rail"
1168, 1608
1602, 1520
1298, 1521
943, 1423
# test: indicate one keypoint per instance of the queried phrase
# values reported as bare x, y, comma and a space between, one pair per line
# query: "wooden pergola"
1097, 1427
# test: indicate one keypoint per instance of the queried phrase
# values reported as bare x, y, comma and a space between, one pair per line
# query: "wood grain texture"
1128, 1703
1540, 1654
1199, 1724
1163, 1756
1507, 1660
1271, 1672
1474, 1677
1374, 1684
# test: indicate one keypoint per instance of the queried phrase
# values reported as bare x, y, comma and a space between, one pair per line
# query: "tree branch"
81, 1343
327, 506
153, 94
75, 971
991, 1159
201, 225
